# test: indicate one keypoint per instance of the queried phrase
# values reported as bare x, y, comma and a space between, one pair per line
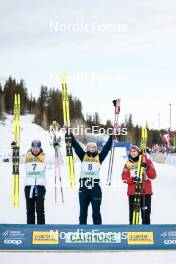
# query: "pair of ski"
68, 142
140, 169
140, 173
57, 169
15, 152
58, 175
68, 139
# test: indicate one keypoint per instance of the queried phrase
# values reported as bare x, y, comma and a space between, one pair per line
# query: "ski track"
114, 204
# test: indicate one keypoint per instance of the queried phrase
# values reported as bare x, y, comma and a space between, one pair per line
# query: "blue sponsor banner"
123, 145
87, 237
119, 144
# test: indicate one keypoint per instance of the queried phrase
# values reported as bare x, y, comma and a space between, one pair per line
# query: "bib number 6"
90, 167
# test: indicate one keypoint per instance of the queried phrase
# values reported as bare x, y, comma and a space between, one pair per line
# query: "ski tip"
15, 99
18, 98
64, 78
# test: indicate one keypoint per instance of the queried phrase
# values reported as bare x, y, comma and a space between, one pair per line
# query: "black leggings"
35, 203
145, 208
87, 196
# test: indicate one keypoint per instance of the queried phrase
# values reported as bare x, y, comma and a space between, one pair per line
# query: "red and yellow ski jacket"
130, 172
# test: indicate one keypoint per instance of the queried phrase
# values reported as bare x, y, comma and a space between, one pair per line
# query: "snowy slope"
114, 204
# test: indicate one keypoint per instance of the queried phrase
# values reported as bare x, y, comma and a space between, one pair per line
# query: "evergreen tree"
1, 102
11, 88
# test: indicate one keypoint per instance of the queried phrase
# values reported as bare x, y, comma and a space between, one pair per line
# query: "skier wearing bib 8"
129, 176
35, 183
90, 190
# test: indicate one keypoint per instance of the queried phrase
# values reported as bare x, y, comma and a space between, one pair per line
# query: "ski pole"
116, 104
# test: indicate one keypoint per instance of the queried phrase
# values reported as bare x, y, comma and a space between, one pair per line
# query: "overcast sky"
108, 49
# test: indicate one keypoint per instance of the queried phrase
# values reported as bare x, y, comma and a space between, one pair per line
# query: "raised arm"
106, 149
78, 149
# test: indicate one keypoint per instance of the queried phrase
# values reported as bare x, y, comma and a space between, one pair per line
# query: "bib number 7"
34, 166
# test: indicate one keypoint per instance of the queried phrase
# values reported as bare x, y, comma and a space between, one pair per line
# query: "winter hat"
91, 144
36, 143
135, 147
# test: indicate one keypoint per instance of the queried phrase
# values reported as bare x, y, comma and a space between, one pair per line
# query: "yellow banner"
140, 238
45, 238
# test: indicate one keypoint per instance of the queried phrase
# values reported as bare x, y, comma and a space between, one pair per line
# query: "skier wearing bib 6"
90, 190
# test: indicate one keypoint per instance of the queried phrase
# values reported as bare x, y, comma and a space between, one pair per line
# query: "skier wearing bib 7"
90, 190
35, 183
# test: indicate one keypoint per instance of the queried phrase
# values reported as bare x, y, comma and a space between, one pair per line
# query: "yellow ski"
15, 154
140, 171
66, 115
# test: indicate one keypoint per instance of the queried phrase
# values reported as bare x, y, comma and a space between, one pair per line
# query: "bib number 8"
134, 173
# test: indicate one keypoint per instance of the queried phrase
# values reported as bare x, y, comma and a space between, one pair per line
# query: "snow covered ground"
92, 257
114, 204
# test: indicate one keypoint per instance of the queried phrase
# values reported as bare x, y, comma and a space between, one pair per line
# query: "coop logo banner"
13, 242
12, 237
170, 242
45, 238
93, 237
140, 238
13, 234
171, 234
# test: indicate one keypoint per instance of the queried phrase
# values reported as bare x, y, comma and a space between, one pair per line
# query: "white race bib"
35, 170
133, 173
90, 169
